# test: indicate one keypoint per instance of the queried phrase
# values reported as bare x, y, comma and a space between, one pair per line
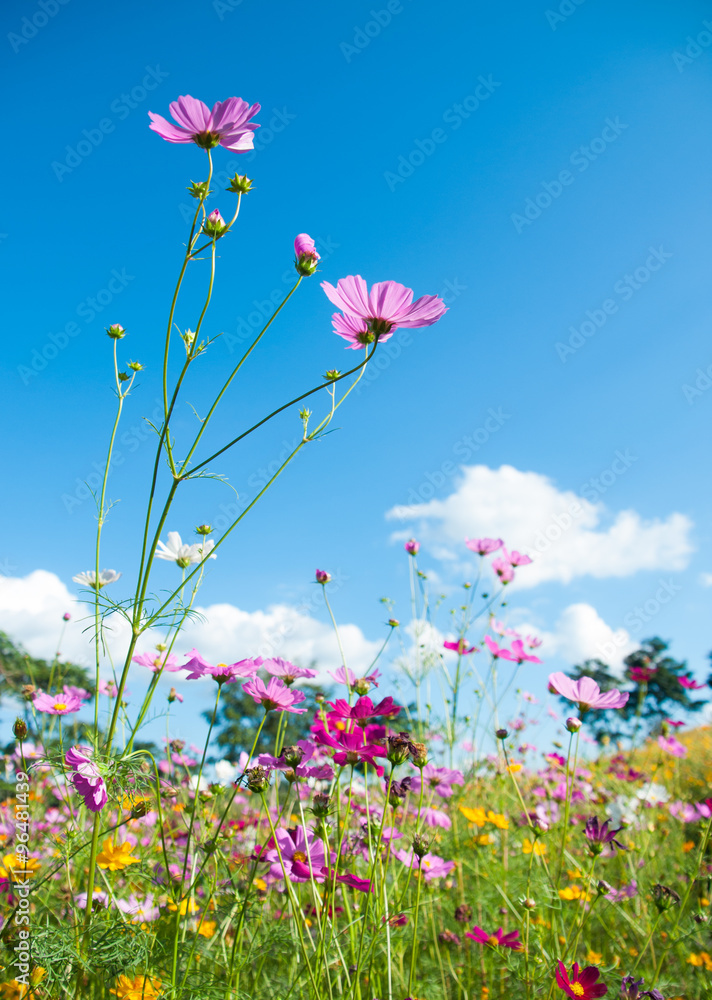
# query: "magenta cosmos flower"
86, 777
221, 672
349, 678
483, 546
460, 647
158, 661
690, 684
275, 696
440, 779
295, 846
519, 655
375, 315
503, 570
412, 547
228, 124
430, 865
350, 748
364, 710
497, 940
586, 692
286, 670
672, 746
581, 985
57, 704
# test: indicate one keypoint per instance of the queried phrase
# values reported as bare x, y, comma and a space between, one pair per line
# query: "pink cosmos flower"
672, 746
690, 684
501, 629
226, 125
582, 985
322, 576
461, 647
503, 570
440, 779
294, 846
57, 704
641, 674
533, 641
350, 748
109, 688
364, 710
298, 755
497, 651
221, 672
275, 696
483, 546
412, 547
519, 656
586, 692
435, 817
306, 256
497, 940
671, 723
286, 670
86, 777
516, 558
347, 677
431, 865
80, 693
300, 869
139, 910
368, 317
157, 661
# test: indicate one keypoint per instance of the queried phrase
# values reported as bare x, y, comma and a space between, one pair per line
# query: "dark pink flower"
306, 257
586, 692
322, 576
690, 684
483, 546
641, 674
349, 678
86, 777
440, 779
275, 696
497, 940
460, 647
221, 672
364, 710
226, 125
412, 547
582, 984
672, 746
350, 748
497, 651
368, 317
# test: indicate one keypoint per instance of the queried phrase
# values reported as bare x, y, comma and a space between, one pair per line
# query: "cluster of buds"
257, 779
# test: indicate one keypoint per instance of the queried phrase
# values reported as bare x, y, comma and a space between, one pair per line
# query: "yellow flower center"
299, 856
492, 939
60, 705
222, 665
577, 988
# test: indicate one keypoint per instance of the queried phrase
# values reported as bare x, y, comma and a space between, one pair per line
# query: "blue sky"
589, 117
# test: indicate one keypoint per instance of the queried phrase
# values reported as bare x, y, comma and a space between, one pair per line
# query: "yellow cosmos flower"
485, 839
594, 957
259, 883
115, 857
500, 821
513, 768
476, 816
138, 988
186, 906
574, 892
207, 928
537, 847
13, 990
18, 869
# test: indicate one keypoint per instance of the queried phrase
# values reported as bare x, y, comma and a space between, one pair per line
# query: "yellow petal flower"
115, 857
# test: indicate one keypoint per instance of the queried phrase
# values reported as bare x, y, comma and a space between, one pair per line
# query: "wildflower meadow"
411, 824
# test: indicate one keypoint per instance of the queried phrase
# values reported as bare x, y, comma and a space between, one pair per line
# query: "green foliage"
650, 701
18, 668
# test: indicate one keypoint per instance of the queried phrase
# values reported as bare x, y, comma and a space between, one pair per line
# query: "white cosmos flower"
89, 577
184, 555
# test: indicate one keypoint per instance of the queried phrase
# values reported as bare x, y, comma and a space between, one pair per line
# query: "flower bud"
66, 616
603, 887
398, 748
116, 331
528, 903
463, 913
306, 257
215, 226
412, 547
257, 779
393, 622
322, 576
161, 647
293, 755
172, 695
664, 897
320, 805
177, 746
573, 725
135, 366
419, 754
421, 845
198, 189
501, 734
28, 691
19, 729
240, 184
204, 529
331, 374
139, 809
124, 376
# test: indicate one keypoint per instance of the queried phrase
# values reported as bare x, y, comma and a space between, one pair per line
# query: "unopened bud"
240, 184
124, 376
161, 647
204, 529
463, 913
116, 331
528, 903
573, 724
198, 189
305, 256
139, 809
320, 805
322, 576
393, 622
398, 748
135, 366
177, 746
502, 734
19, 729
331, 374
66, 616
215, 226
257, 779
293, 755
421, 845
172, 695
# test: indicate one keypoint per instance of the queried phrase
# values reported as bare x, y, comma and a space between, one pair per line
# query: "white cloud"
567, 536
706, 579
581, 634
31, 610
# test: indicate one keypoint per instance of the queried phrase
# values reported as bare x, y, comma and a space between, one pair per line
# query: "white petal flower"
184, 555
88, 578
226, 772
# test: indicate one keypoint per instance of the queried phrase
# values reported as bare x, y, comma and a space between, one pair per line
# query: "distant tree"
655, 695
239, 716
18, 668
